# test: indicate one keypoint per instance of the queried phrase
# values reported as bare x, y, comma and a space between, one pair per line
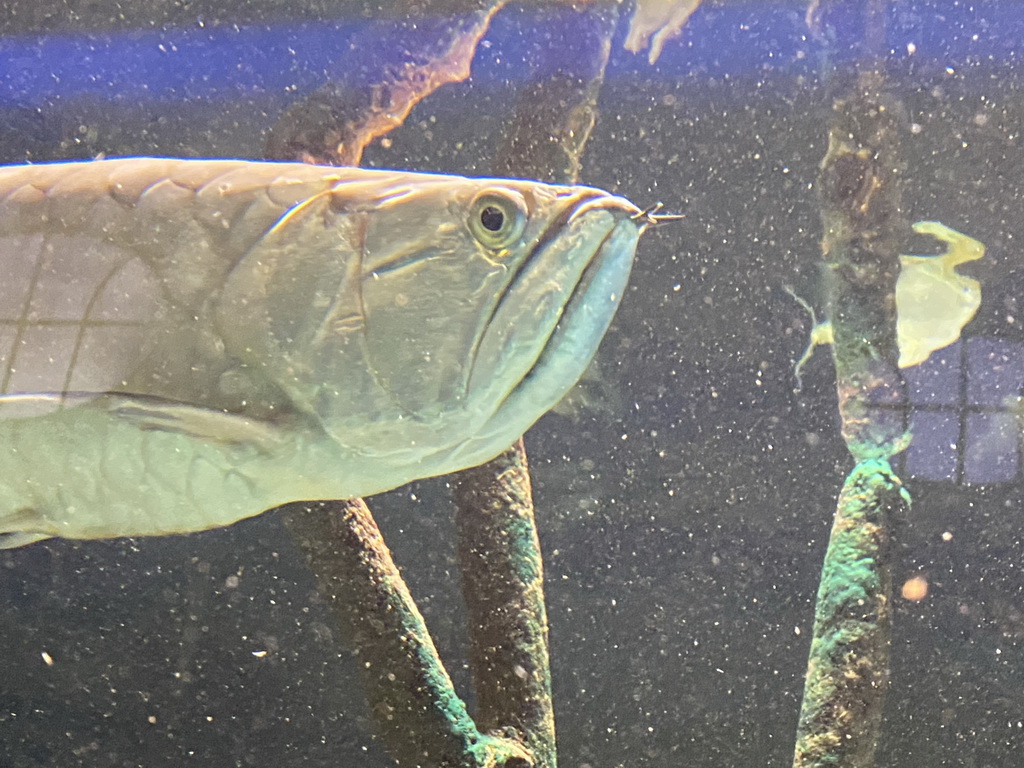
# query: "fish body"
186, 343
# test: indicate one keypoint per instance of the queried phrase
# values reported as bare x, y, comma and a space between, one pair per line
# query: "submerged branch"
378, 77
859, 183
501, 565
848, 667
503, 586
421, 719
557, 108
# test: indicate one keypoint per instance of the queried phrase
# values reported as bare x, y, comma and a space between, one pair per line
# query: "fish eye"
497, 218
492, 218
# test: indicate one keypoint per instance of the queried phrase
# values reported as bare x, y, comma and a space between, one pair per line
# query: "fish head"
416, 315
485, 299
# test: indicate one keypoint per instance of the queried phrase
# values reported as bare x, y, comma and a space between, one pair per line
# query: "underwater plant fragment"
934, 302
656, 22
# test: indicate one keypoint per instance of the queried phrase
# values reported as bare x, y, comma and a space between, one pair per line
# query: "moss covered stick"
419, 716
848, 668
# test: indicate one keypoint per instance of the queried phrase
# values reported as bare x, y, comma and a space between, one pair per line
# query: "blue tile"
993, 448
932, 454
936, 381
995, 372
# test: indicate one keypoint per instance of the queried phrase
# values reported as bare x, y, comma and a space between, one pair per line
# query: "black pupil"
492, 218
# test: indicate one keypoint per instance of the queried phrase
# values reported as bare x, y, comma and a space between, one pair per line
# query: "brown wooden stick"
860, 188
420, 718
500, 558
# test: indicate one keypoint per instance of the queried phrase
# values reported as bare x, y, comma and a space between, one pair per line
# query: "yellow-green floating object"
934, 302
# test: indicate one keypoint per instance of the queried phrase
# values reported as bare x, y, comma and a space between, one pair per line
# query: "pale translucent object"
657, 21
934, 302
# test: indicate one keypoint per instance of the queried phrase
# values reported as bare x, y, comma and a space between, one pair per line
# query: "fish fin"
23, 405
200, 423
150, 413
21, 539
21, 527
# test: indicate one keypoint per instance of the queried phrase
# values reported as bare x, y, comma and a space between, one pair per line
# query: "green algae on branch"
848, 667
503, 586
421, 719
847, 671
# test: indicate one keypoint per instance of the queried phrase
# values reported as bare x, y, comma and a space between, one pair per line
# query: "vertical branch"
502, 570
503, 585
848, 666
860, 185
863, 223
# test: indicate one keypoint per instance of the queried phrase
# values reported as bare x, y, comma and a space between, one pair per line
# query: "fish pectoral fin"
200, 423
15, 540
19, 527
22, 405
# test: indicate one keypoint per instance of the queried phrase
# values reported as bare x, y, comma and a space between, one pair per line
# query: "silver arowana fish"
186, 343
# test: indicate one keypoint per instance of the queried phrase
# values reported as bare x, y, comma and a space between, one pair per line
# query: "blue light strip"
172, 64
224, 62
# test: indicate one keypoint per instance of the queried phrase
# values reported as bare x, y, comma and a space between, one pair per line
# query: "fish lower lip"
570, 337
580, 289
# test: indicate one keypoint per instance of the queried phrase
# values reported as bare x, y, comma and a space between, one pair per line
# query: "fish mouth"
569, 311
555, 228
534, 289
548, 322
573, 329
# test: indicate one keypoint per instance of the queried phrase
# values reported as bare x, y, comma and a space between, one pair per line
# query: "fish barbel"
187, 343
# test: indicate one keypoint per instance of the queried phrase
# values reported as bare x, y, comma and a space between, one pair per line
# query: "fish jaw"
535, 371
594, 253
